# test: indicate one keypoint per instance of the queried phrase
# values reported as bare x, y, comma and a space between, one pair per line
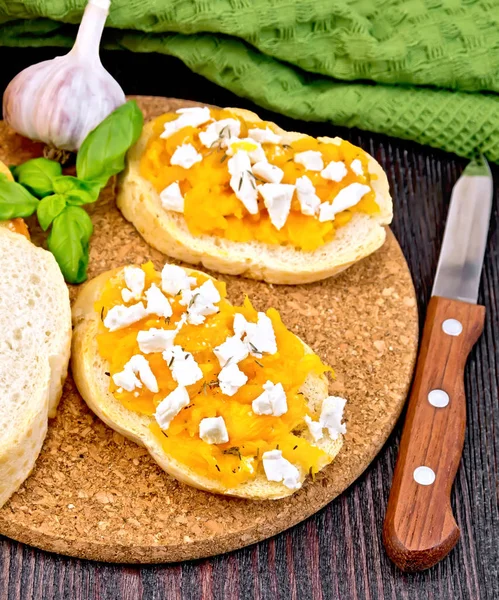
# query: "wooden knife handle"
420, 528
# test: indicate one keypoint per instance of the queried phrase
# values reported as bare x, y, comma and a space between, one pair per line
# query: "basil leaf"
102, 153
37, 175
15, 201
68, 242
49, 208
76, 191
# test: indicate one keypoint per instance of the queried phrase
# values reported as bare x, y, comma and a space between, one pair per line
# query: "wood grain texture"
419, 528
345, 537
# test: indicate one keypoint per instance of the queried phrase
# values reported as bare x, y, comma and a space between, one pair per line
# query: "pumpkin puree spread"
211, 205
251, 435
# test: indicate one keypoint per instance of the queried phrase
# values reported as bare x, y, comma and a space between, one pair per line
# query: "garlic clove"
60, 101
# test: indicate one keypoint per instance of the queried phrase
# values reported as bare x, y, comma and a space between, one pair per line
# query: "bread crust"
45, 358
167, 231
89, 369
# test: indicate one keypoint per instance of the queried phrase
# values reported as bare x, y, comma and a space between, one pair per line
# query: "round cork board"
94, 494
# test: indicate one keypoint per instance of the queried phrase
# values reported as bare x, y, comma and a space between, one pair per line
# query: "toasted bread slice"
167, 231
89, 372
34, 353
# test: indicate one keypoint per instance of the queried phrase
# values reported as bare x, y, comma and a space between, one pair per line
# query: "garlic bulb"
60, 101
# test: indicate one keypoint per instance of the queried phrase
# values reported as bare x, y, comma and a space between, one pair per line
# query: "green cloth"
423, 70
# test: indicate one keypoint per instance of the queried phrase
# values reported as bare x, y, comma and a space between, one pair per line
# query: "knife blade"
465, 237
419, 528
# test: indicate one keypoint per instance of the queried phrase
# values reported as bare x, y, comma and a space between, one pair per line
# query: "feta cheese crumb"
200, 302
122, 316
231, 378
272, 401
242, 181
277, 468
239, 325
253, 149
335, 171
170, 406
221, 131
135, 280
155, 340
171, 198
189, 117
185, 370
344, 199
260, 336
137, 365
332, 414
157, 302
212, 430
233, 350
185, 156
309, 201
174, 279
268, 172
356, 167
315, 428
277, 199
310, 159
264, 136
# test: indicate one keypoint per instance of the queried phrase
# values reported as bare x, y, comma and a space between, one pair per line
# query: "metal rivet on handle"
452, 327
438, 398
424, 475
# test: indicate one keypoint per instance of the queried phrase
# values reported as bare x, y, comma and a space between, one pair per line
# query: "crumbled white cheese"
268, 172
309, 201
185, 370
157, 302
356, 167
122, 316
233, 350
277, 468
200, 302
264, 136
242, 181
231, 378
174, 279
156, 340
135, 279
185, 156
254, 149
137, 365
189, 117
277, 199
260, 336
315, 428
332, 414
170, 406
335, 171
344, 199
171, 198
239, 325
272, 401
212, 430
220, 131
310, 159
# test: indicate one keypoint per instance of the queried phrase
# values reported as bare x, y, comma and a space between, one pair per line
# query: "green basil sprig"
57, 199
37, 175
15, 200
102, 153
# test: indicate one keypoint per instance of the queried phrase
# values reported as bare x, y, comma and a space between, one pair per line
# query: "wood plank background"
337, 553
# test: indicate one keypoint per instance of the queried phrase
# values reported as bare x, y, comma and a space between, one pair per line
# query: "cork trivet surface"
96, 495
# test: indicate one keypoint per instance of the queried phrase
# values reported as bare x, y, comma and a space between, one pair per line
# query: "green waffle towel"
423, 70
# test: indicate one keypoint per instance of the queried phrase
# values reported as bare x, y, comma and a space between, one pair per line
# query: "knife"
419, 528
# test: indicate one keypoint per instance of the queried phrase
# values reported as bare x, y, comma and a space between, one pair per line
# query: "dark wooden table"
338, 553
